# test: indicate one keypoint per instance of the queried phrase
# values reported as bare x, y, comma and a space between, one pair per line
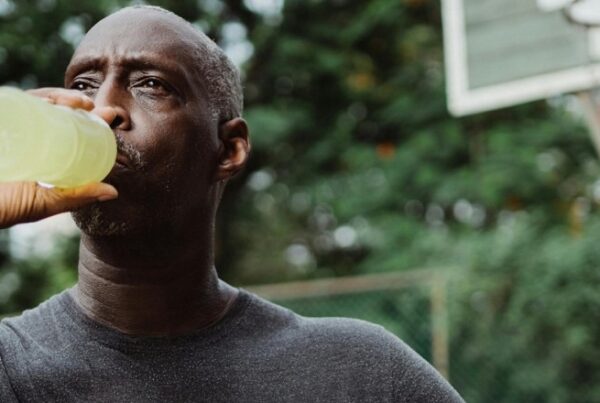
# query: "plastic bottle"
52, 144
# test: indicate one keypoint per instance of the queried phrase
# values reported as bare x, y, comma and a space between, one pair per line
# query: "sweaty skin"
146, 263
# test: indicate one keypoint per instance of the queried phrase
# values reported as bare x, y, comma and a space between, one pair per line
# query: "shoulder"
355, 350
47, 327
34, 324
275, 321
328, 333
410, 377
21, 340
358, 338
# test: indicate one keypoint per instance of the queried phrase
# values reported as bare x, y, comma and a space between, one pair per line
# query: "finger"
95, 191
63, 96
58, 200
101, 191
73, 100
42, 92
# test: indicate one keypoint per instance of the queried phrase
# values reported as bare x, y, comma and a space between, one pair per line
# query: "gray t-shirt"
259, 352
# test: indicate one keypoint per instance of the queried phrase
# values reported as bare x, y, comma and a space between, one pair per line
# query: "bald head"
152, 25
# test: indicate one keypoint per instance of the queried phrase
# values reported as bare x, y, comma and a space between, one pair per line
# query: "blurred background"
474, 239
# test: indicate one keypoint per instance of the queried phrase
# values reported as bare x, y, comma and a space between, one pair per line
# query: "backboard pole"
591, 111
439, 326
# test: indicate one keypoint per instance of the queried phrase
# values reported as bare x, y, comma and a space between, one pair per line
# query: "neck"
140, 288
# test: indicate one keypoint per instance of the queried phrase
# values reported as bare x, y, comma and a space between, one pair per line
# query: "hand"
75, 100
62, 96
22, 202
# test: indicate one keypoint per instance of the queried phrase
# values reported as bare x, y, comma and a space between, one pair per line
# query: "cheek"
174, 144
204, 143
202, 155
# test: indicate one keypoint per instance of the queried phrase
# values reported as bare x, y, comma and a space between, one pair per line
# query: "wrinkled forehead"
141, 31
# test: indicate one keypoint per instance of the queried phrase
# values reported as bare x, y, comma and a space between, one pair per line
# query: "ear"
235, 148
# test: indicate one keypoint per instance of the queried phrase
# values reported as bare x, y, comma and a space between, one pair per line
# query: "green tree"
357, 165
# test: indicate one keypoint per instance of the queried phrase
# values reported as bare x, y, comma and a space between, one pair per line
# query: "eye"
152, 83
81, 86
154, 86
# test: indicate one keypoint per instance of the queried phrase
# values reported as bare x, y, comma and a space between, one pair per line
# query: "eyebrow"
80, 65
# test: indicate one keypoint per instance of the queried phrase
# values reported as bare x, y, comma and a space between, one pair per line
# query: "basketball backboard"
505, 52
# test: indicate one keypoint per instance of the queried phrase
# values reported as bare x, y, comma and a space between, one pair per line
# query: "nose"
111, 105
114, 116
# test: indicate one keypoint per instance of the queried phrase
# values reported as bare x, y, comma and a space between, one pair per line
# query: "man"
149, 320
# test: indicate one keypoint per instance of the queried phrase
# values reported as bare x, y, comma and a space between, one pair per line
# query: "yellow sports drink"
52, 144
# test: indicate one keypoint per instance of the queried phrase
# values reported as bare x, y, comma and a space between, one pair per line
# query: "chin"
97, 220
125, 218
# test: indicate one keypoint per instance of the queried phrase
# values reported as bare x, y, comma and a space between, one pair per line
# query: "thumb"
59, 200
22, 202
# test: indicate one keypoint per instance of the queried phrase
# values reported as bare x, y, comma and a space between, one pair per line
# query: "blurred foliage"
25, 282
358, 168
357, 164
523, 315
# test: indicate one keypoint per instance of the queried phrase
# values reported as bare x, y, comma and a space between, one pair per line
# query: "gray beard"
92, 221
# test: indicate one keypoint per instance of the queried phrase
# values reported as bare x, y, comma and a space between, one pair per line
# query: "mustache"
134, 157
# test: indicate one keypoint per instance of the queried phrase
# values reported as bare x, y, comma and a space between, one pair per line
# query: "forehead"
142, 33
